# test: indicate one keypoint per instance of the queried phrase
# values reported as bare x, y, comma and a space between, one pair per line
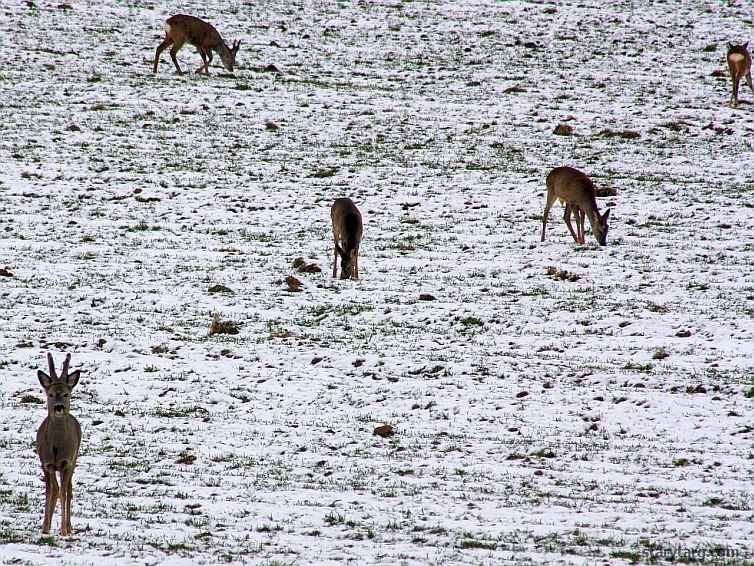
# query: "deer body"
181, 29
739, 65
347, 228
58, 441
576, 191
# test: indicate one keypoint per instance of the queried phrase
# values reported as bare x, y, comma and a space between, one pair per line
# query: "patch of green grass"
269, 528
474, 543
9, 536
333, 518
543, 453
644, 368
173, 412
631, 555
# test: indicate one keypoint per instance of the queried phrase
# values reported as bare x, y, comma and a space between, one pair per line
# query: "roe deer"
58, 440
180, 29
739, 64
576, 190
346, 230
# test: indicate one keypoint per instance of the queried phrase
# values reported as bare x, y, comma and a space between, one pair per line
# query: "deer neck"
222, 49
593, 214
57, 426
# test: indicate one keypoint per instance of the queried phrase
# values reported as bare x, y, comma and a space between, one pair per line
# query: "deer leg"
748, 80
66, 475
567, 220
63, 501
335, 260
173, 52
48, 488
202, 70
583, 227
734, 96
51, 497
160, 48
580, 229
575, 213
548, 205
66, 484
209, 61
70, 499
356, 266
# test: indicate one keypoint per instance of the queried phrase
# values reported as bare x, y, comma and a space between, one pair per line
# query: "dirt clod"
384, 431
305, 267
294, 285
219, 326
220, 289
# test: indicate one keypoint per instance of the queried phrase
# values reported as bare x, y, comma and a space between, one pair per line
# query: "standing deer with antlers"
181, 29
58, 441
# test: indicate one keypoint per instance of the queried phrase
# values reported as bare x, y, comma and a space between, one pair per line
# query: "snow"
554, 403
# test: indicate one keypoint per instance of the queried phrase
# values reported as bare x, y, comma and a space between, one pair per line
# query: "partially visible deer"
58, 440
577, 192
739, 64
346, 230
180, 29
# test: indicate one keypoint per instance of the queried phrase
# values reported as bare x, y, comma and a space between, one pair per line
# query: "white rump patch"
736, 57
167, 27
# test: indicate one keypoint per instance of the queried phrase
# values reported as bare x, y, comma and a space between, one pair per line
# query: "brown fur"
58, 441
181, 29
739, 65
577, 191
347, 228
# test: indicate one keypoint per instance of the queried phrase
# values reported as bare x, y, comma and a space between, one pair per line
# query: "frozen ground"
554, 403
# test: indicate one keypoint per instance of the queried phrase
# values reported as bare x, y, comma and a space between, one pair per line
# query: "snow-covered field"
553, 403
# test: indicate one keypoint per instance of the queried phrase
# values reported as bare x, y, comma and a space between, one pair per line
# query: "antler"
64, 372
51, 365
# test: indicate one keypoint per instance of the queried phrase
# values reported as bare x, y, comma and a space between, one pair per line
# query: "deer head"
229, 57
58, 389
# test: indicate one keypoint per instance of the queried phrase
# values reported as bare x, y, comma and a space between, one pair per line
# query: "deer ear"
606, 215
746, 45
353, 254
73, 378
339, 249
44, 379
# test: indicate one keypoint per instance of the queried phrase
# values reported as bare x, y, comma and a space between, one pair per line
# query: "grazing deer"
576, 190
346, 230
180, 29
58, 440
739, 64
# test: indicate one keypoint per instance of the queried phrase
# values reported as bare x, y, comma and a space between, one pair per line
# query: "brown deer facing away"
346, 230
180, 29
576, 191
58, 440
739, 64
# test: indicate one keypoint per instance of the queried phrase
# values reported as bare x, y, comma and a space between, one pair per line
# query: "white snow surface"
554, 403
